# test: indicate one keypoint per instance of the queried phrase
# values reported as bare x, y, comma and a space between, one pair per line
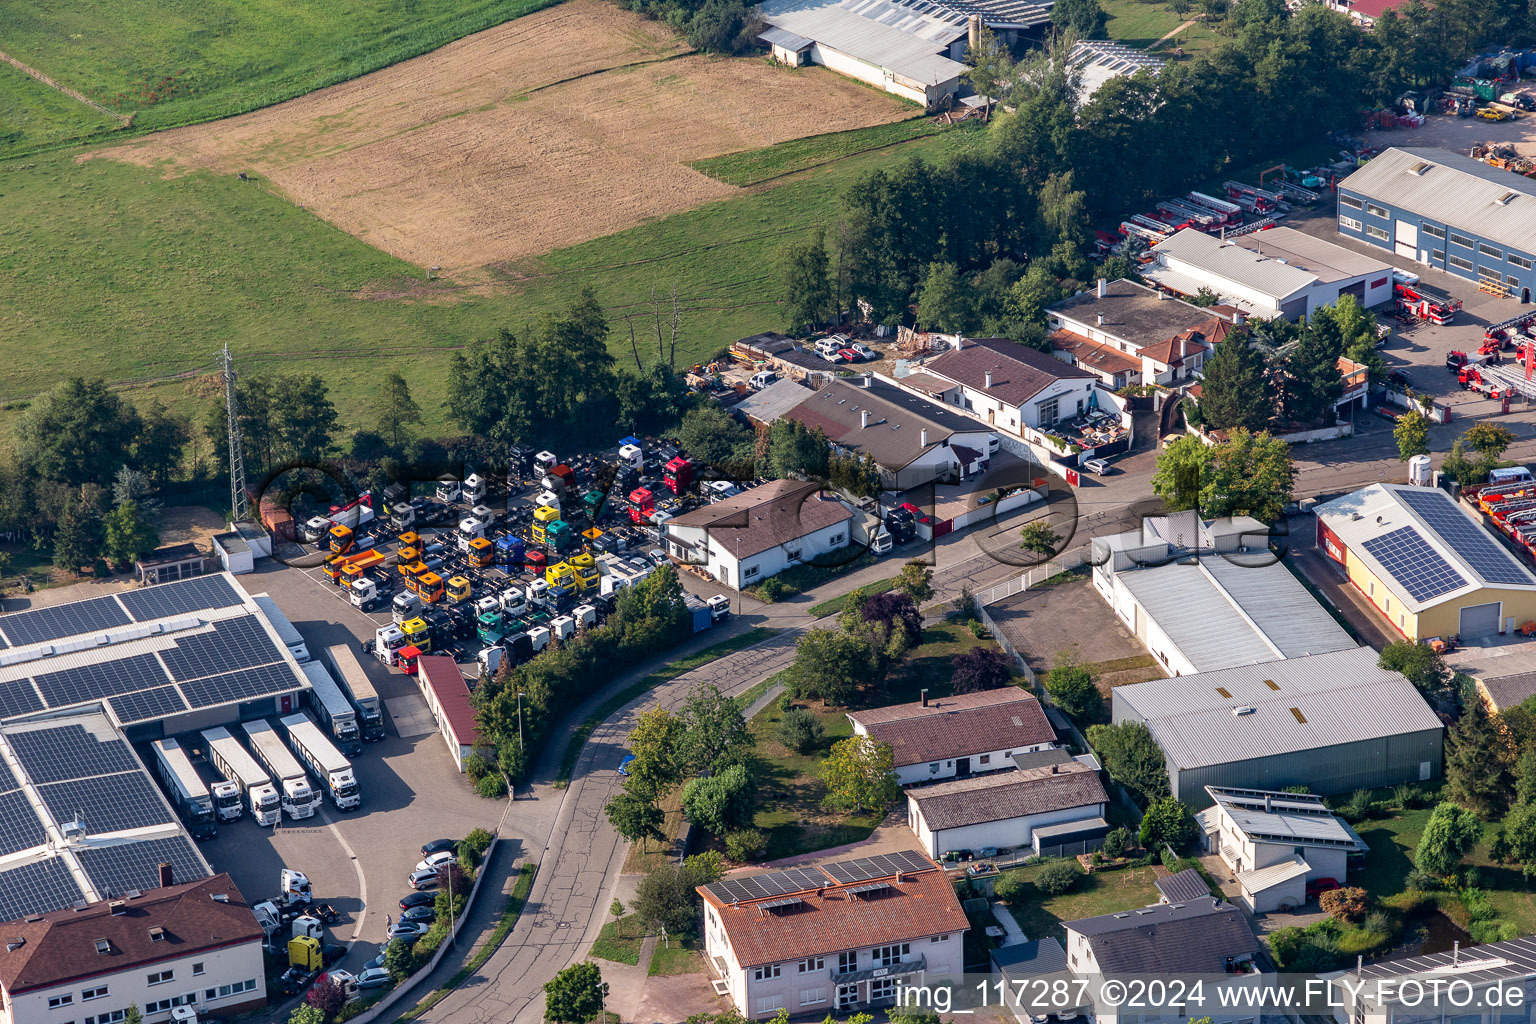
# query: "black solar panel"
20, 827
37, 888
236, 643
42, 624
19, 697
1469, 540
774, 883
880, 866
245, 684
181, 598
7, 778
114, 870
105, 679
69, 752
110, 803
147, 704
1414, 564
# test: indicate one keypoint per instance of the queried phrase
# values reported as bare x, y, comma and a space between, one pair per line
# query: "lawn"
929, 665
759, 165
620, 940
678, 956
1104, 892
112, 270
835, 605
34, 116
1140, 23
187, 62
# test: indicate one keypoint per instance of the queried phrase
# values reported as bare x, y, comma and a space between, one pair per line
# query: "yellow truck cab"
458, 589
417, 634
481, 553
429, 587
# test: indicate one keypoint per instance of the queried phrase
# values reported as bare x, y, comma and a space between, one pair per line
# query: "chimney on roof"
922, 438
118, 908
989, 378
1456, 953
1055, 769
166, 874
1238, 318
1269, 804
1103, 287
925, 696
1101, 319
864, 418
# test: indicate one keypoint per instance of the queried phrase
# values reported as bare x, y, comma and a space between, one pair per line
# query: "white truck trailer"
324, 761
331, 705
291, 637
348, 672
299, 798
186, 788
237, 766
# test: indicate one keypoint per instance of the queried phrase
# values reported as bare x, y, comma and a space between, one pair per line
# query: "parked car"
1097, 466
864, 351
433, 861
1318, 886
422, 913
374, 977
417, 899
850, 355
916, 513
425, 878
377, 961
410, 931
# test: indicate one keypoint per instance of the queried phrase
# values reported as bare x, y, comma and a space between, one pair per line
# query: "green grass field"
1140, 23
755, 166
113, 270
183, 62
1103, 892
34, 116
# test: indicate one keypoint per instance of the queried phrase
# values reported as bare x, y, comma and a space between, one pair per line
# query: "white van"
762, 379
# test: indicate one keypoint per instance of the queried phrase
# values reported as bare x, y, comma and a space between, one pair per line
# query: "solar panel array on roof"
147, 704
1470, 541
233, 644
40, 625
107, 803
37, 888
1413, 563
877, 867
774, 883
114, 870
7, 779
70, 752
20, 827
19, 698
180, 598
103, 679
242, 685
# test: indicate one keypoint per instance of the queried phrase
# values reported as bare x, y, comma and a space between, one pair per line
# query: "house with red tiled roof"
748, 537
193, 944
1010, 386
834, 937
949, 737
1126, 333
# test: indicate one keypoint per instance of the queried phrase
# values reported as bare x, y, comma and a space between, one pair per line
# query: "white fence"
1037, 575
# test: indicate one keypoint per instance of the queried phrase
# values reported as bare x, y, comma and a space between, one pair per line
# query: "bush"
773, 589
1479, 907
1168, 821
1493, 931
1170, 860
1377, 923
397, 959
1117, 842
1358, 807
1057, 877
1406, 797
1010, 889
978, 630
745, 845
1346, 904
800, 731
477, 842
1420, 881
492, 787
477, 768
786, 700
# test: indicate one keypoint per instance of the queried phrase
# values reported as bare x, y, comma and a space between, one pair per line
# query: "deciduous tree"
831, 665
395, 411
1039, 539
635, 818
943, 300
1168, 821
720, 803
1451, 831
656, 743
714, 733
128, 535
807, 283
1071, 687
575, 995
1411, 435
859, 774
980, 668
916, 581
1132, 758
77, 433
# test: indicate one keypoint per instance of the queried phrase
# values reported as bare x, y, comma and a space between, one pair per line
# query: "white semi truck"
237, 766
324, 761
332, 707
349, 674
186, 788
291, 637
299, 798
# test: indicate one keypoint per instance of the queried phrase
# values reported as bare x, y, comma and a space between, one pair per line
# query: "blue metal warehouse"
1446, 211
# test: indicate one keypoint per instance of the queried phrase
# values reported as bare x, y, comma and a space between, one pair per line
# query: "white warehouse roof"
887, 35
1454, 190
1232, 262
1297, 705
1421, 544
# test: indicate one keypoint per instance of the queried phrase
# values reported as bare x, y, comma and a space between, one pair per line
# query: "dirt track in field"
569, 124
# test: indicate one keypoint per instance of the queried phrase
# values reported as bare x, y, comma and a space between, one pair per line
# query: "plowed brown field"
569, 124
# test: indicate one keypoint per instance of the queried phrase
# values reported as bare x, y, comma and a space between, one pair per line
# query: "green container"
1483, 90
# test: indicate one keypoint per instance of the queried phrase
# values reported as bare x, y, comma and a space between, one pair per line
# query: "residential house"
748, 537
1010, 386
1127, 333
832, 938
194, 944
1003, 809
1276, 842
911, 440
1203, 938
954, 737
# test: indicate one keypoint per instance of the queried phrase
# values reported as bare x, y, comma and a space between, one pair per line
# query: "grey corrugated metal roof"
1453, 189
1187, 885
774, 400
1235, 263
1220, 615
1330, 262
1344, 697
1497, 961
894, 49
785, 38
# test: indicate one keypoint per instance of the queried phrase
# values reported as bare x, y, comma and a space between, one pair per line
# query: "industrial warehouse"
1446, 211
1424, 563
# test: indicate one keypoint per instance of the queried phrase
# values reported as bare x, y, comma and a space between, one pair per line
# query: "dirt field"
562, 126
1460, 134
